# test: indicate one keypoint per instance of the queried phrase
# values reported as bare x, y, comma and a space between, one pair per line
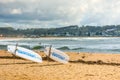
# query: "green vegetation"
108, 30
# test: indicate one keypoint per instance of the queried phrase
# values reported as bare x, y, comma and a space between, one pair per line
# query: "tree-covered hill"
74, 30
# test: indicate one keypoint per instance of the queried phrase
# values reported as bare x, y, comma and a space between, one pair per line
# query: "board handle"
16, 48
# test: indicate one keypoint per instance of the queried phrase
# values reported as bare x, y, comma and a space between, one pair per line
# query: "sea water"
76, 44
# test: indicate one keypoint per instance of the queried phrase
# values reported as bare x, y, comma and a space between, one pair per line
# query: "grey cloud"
61, 12
30, 11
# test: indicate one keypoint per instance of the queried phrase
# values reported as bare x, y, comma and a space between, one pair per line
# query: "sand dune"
82, 66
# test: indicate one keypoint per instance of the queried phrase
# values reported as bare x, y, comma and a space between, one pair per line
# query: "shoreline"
60, 37
113, 48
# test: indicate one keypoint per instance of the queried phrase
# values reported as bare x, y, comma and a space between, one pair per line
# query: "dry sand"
82, 66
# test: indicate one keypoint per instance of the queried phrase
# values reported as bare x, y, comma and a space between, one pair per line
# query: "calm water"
80, 44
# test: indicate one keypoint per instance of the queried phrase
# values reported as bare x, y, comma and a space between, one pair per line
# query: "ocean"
69, 44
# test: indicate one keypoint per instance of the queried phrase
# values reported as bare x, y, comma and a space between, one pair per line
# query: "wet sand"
82, 66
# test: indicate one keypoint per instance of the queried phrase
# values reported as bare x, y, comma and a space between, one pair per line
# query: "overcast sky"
58, 13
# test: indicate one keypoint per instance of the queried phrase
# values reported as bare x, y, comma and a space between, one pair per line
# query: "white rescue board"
57, 55
24, 53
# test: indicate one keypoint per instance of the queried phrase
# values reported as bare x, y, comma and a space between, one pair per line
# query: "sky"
58, 13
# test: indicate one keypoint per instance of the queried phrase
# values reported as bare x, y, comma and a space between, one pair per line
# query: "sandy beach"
82, 66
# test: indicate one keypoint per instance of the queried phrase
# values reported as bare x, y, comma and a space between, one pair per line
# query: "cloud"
51, 13
6, 1
16, 11
102, 12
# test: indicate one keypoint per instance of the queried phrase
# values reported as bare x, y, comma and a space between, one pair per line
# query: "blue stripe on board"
58, 56
28, 54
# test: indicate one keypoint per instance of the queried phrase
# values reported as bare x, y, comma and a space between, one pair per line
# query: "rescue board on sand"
24, 53
56, 55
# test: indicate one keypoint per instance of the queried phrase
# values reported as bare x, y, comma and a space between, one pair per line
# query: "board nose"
8, 48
